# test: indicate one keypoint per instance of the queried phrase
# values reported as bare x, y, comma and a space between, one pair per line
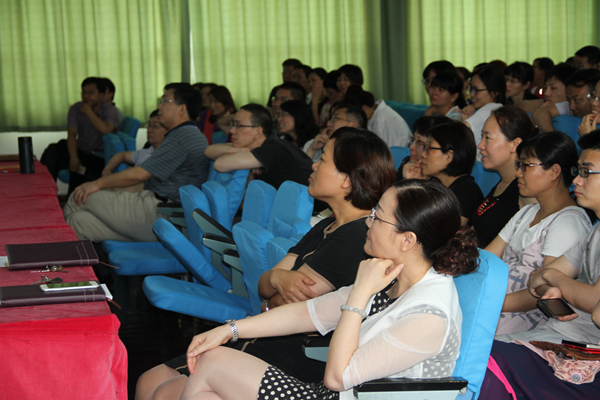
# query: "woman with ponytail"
401, 318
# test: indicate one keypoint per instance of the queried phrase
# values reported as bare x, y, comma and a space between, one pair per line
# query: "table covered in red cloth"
62, 351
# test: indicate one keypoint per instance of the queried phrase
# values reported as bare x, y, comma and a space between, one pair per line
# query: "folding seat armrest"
404, 388
210, 225
169, 208
217, 243
316, 346
231, 258
178, 219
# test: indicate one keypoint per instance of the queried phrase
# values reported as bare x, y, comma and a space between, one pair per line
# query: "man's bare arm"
543, 117
237, 161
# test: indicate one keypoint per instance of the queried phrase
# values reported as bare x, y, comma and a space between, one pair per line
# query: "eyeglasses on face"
281, 99
336, 118
425, 148
592, 97
426, 81
164, 101
374, 217
474, 90
522, 165
582, 172
237, 125
153, 125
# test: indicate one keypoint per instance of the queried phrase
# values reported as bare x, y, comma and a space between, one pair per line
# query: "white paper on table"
3, 261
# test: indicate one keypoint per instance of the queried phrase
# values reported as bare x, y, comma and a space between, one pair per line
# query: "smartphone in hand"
553, 308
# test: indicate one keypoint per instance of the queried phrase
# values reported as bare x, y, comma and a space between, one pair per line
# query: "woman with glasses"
445, 95
296, 122
410, 167
354, 171
220, 104
400, 318
449, 156
589, 122
539, 233
502, 133
488, 93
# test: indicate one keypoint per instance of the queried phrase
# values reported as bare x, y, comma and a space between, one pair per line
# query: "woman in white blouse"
400, 318
541, 232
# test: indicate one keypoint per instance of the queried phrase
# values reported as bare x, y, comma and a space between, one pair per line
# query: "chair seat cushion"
195, 299
146, 261
114, 245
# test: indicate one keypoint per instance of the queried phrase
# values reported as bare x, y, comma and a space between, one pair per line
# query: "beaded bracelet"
344, 307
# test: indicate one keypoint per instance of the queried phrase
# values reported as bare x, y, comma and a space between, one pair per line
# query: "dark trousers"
56, 157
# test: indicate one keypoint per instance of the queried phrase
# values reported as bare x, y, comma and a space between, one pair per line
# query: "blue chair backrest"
277, 248
191, 199
234, 183
410, 112
112, 146
485, 178
568, 124
129, 142
481, 295
131, 126
219, 137
251, 241
398, 154
291, 198
258, 203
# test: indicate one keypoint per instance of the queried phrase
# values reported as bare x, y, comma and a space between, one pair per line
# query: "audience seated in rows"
326, 259
503, 132
524, 370
344, 115
349, 75
542, 232
87, 121
541, 67
449, 156
100, 215
300, 76
587, 57
415, 235
286, 76
383, 120
316, 83
204, 89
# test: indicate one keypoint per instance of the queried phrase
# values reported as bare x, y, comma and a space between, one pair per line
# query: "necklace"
486, 205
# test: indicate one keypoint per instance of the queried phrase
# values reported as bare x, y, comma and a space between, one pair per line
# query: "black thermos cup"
26, 155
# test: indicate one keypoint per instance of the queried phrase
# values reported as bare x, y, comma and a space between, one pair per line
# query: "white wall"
9, 144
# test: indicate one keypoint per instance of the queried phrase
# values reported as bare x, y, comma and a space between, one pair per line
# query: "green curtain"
468, 32
242, 43
47, 48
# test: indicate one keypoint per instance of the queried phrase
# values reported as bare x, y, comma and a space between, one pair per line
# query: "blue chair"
131, 126
153, 258
481, 296
225, 192
410, 112
129, 142
485, 178
568, 124
399, 153
219, 137
212, 304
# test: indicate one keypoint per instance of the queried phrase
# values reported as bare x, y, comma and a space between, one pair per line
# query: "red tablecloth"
63, 351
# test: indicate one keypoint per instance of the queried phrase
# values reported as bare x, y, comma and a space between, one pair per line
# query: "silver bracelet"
234, 330
344, 307
266, 305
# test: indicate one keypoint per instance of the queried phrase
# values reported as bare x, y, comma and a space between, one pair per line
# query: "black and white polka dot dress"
277, 385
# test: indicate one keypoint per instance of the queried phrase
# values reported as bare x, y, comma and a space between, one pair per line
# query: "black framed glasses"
522, 165
473, 89
237, 125
426, 81
425, 148
582, 172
